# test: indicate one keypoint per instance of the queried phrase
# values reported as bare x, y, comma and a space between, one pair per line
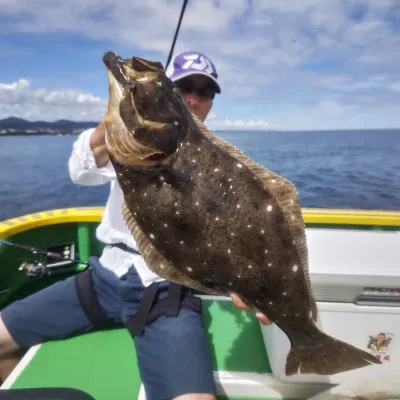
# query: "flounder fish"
206, 216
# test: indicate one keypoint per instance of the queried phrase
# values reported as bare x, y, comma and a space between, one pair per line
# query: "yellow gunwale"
93, 214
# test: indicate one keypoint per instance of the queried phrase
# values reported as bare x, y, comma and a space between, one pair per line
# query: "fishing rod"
52, 258
176, 33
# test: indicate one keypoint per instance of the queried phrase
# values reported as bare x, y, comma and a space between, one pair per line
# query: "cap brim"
190, 73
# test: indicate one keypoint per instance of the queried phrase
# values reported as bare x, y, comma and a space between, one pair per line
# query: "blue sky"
283, 64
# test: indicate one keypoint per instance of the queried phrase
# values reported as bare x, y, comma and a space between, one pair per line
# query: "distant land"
14, 126
18, 126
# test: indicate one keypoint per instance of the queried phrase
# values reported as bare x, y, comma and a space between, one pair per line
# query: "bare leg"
10, 353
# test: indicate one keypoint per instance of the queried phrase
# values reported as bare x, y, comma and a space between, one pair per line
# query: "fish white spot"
295, 268
249, 226
232, 234
269, 208
266, 251
187, 143
237, 205
144, 194
204, 263
284, 293
165, 225
270, 303
193, 160
175, 204
239, 165
119, 174
238, 275
216, 169
297, 314
177, 212
262, 231
229, 251
190, 269
269, 265
162, 266
291, 202
310, 315
249, 266
209, 245
200, 174
181, 242
198, 149
230, 187
197, 203
152, 236
294, 242
292, 217
134, 213
273, 180
284, 315
162, 178
216, 218
230, 179
197, 249
230, 283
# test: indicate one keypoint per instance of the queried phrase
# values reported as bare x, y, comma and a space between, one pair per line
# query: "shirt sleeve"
82, 165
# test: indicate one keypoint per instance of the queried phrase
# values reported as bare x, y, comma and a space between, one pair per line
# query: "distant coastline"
21, 127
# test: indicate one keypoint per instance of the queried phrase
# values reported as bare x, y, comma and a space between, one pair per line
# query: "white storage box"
356, 279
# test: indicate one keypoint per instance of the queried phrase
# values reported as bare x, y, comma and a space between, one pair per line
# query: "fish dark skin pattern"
208, 217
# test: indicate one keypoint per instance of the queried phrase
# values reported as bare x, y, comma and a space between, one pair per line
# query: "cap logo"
198, 62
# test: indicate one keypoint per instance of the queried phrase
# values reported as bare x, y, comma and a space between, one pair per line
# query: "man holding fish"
120, 284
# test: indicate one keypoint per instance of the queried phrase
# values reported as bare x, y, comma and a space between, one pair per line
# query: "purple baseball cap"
192, 63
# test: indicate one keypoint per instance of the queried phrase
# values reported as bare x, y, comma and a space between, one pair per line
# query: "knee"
7, 343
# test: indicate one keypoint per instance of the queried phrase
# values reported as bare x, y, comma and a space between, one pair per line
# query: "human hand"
239, 303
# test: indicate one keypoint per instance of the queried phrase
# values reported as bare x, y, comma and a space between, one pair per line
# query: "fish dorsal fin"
156, 261
282, 189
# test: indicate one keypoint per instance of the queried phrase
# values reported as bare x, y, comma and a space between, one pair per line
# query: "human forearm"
98, 145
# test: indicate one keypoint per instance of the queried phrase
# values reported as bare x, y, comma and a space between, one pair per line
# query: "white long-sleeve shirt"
112, 228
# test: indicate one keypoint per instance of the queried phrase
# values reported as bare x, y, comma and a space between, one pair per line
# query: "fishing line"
176, 33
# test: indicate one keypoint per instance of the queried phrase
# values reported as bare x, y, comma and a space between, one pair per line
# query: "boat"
103, 364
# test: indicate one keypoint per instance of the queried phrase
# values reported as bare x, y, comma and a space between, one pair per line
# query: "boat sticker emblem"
379, 346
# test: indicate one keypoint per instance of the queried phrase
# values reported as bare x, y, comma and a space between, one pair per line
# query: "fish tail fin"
322, 354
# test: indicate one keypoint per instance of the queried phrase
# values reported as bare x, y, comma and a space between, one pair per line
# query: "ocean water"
342, 169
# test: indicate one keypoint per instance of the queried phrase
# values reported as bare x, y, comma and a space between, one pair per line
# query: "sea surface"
340, 169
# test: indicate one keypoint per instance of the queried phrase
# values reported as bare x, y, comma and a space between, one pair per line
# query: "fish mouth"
122, 77
127, 72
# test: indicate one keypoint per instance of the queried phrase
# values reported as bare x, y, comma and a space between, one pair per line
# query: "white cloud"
321, 56
18, 99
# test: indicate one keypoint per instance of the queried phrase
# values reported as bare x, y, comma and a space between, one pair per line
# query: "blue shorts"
172, 353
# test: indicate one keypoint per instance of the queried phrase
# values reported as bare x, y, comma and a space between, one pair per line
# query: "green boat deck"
104, 363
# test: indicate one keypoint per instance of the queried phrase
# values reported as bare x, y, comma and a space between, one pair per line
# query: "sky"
282, 64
